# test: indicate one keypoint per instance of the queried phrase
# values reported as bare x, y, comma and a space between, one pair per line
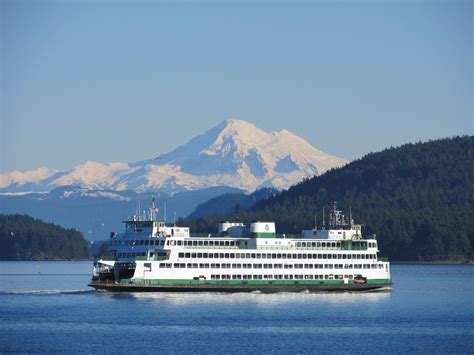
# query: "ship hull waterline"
266, 288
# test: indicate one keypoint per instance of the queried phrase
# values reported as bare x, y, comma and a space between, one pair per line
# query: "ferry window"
253, 256
298, 244
303, 244
232, 255
258, 256
216, 255
187, 255
227, 243
200, 243
199, 255
211, 255
211, 243
226, 255
221, 255
181, 255
232, 244
193, 255
329, 256
313, 244
204, 255
162, 242
324, 244
237, 243
177, 265
205, 243
162, 265
180, 242
247, 255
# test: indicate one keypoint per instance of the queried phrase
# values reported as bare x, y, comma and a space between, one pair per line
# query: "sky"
124, 81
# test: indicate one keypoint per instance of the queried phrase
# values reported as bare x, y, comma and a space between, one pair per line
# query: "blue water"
46, 307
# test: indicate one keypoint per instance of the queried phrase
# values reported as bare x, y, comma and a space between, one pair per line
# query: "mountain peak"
234, 153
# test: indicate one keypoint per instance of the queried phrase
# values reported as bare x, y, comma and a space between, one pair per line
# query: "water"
47, 307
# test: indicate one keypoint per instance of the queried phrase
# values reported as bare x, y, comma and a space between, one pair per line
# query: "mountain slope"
417, 199
235, 153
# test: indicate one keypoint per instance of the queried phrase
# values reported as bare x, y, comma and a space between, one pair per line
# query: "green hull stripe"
243, 282
263, 235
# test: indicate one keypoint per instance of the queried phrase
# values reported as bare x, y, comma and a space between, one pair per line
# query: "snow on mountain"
235, 153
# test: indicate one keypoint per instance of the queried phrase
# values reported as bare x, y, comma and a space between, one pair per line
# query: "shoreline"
439, 262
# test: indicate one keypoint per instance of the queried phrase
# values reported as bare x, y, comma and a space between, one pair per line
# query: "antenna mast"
324, 220
165, 213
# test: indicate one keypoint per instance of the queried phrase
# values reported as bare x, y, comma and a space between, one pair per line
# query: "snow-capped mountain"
235, 153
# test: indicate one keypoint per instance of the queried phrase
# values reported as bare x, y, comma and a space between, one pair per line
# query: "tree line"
25, 238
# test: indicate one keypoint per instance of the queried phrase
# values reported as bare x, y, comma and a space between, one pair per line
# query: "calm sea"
47, 307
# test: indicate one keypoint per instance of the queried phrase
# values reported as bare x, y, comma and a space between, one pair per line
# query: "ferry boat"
153, 256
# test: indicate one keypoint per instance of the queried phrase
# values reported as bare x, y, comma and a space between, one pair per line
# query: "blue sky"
125, 81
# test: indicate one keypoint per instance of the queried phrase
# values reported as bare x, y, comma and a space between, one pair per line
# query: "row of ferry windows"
282, 277
234, 243
334, 245
275, 256
206, 243
268, 266
138, 242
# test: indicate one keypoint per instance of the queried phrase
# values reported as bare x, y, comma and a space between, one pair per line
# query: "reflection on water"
268, 299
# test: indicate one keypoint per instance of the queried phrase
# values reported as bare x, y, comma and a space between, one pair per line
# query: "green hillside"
418, 199
25, 238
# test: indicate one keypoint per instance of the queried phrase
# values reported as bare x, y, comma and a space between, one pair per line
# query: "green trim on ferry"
263, 235
243, 282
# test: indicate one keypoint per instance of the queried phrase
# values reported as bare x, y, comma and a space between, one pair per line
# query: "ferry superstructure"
152, 256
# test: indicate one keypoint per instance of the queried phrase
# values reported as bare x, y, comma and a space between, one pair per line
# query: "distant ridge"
234, 153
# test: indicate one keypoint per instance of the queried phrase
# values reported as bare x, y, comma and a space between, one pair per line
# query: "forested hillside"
418, 199
232, 203
25, 238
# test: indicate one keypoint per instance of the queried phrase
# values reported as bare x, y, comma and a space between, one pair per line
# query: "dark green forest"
418, 199
25, 238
